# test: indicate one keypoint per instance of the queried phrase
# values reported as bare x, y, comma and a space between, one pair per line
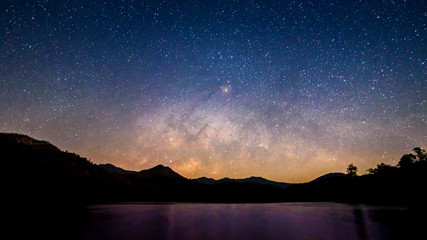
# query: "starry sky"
286, 90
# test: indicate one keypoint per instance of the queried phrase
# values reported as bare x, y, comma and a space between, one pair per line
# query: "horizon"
216, 179
289, 91
193, 178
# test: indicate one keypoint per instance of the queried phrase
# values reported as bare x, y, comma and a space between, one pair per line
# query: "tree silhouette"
381, 168
407, 160
421, 154
352, 170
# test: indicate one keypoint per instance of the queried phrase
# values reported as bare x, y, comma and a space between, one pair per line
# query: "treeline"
403, 184
39, 173
409, 163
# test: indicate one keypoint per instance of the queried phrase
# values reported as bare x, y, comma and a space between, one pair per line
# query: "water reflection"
233, 221
360, 223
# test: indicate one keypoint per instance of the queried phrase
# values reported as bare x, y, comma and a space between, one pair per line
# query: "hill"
113, 169
394, 187
258, 180
329, 175
38, 172
44, 174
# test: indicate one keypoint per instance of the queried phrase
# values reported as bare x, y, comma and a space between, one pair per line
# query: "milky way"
287, 90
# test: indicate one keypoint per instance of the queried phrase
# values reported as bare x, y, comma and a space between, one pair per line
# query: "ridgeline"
38, 172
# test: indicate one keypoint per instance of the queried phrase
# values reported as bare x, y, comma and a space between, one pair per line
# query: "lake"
184, 221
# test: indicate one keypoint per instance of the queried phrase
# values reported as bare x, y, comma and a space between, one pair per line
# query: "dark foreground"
52, 194
38, 172
223, 221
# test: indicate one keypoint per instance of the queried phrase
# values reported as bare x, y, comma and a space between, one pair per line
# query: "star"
275, 89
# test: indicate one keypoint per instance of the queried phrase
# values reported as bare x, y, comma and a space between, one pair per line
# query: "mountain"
329, 175
258, 180
205, 180
159, 171
113, 169
37, 173
8, 140
40, 173
395, 187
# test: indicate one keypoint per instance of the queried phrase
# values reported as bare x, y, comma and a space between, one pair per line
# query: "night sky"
286, 90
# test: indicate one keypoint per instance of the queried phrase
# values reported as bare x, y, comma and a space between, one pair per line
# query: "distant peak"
253, 177
329, 175
160, 170
205, 178
16, 138
160, 166
114, 169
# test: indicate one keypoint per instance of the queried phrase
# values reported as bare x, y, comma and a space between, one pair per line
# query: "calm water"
232, 221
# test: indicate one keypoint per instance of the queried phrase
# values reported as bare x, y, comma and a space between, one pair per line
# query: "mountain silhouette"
159, 171
205, 180
259, 180
113, 169
38, 172
46, 175
329, 175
